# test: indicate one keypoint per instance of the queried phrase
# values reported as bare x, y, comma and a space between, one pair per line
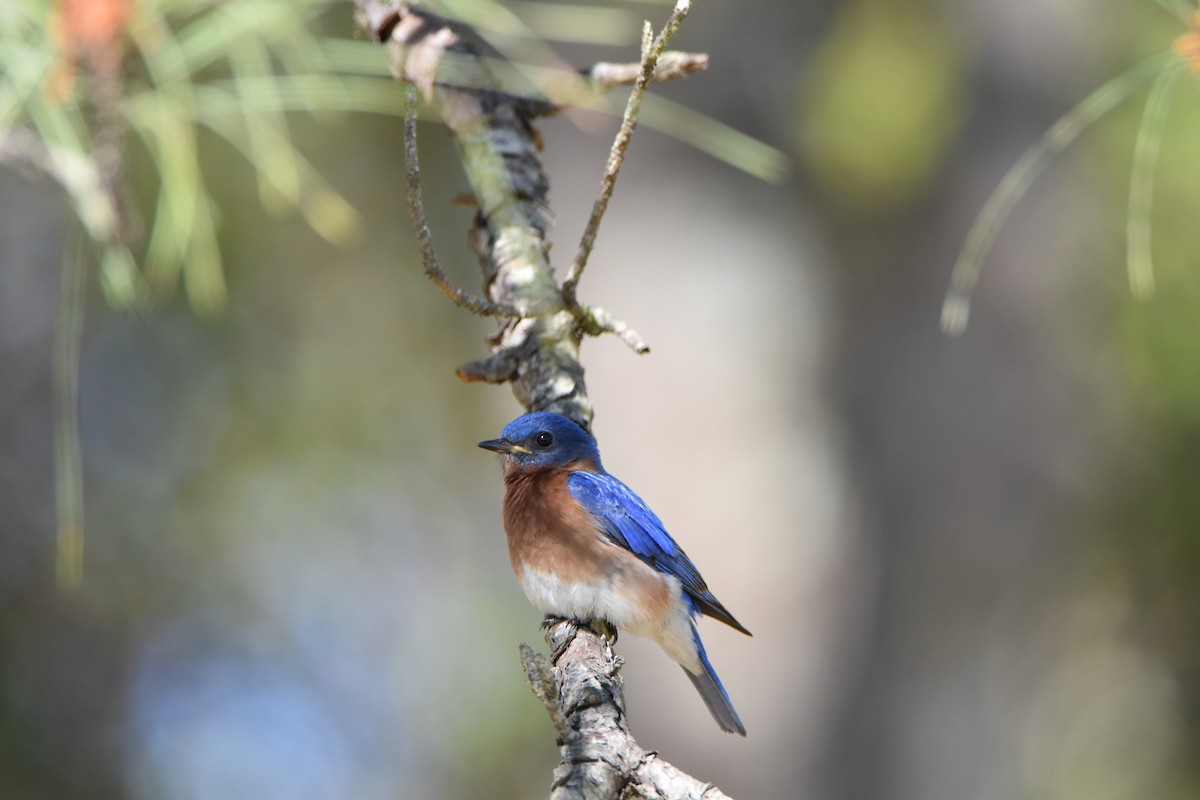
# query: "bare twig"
461, 298
652, 49
500, 367
595, 321
671, 65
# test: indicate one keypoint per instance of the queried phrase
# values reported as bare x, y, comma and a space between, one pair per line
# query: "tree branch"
538, 350
416, 207
580, 685
537, 347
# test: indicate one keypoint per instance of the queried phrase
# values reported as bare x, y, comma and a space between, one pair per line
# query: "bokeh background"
970, 564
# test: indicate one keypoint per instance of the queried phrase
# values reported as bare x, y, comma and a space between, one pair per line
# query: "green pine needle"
956, 307
1141, 184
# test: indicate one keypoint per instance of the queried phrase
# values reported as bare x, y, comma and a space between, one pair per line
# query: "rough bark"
580, 685
537, 345
538, 350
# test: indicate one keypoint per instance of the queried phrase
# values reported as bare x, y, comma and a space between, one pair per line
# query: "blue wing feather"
628, 522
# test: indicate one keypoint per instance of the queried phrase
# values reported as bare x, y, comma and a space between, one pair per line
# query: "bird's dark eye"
544, 439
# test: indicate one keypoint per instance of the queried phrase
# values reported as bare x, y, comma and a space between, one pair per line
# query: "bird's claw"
605, 630
601, 627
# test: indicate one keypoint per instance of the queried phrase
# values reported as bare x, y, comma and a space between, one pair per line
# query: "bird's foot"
605, 630
601, 627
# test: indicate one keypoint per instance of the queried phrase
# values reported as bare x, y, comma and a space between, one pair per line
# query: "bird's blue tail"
709, 686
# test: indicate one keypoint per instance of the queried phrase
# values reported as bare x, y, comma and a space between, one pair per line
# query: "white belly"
618, 599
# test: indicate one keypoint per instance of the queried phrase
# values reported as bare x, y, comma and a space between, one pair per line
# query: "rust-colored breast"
548, 530
567, 566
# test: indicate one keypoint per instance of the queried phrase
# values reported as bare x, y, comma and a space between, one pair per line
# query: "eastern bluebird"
585, 547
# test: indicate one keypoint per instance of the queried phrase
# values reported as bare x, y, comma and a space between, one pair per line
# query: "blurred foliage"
112, 99
1146, 549
1153, 536
882, 100
83, 73
179, 66
286, 522
1162, 70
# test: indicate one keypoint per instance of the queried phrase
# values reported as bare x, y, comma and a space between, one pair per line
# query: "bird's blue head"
544, 439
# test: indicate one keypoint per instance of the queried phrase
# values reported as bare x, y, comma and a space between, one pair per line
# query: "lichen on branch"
536, 348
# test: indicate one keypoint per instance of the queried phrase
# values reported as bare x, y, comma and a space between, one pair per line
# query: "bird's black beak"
501, 446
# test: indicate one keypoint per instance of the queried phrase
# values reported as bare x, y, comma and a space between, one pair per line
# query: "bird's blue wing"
628, 522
